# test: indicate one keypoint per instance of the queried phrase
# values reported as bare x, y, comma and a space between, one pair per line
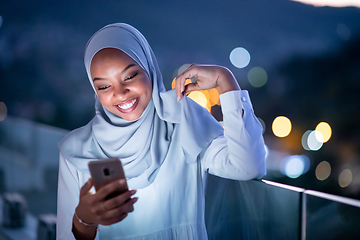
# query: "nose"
120, 92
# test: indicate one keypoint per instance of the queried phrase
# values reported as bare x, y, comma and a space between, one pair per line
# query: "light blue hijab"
142, 145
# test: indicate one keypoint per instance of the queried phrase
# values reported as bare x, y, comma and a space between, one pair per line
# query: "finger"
125, 208
110, 188
86, 187
181, 79
191, 87
119, 200
114, 220
178, 89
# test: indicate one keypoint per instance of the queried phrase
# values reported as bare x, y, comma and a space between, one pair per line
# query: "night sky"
310, 55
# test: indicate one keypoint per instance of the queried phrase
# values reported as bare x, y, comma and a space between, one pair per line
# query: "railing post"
303, 216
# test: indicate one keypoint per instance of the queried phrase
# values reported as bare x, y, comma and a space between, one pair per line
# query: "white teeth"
127, 105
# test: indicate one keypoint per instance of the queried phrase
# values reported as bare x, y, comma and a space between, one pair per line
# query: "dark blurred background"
311, 56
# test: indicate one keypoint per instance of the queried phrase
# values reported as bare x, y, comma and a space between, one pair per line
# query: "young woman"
167, 144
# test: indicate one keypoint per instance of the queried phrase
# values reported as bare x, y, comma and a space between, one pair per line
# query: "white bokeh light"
313, 142
304, 140
295, 165
240, 57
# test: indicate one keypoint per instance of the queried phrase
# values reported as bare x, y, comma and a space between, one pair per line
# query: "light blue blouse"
172, 207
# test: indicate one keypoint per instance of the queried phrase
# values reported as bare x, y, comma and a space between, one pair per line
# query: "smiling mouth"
128, 106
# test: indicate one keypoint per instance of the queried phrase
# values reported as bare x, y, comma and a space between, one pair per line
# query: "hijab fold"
141, 145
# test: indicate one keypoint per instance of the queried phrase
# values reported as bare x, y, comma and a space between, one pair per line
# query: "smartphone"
105, 171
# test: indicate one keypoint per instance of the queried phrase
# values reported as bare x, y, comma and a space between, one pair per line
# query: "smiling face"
122, 86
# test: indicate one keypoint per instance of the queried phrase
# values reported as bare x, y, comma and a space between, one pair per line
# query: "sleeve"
239, 154
67, 199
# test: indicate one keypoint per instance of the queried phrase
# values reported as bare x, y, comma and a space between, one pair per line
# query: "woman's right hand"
96, 209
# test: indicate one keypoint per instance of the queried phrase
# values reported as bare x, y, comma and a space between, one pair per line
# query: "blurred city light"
343, 31
294, 166
187, 81
3, 111
240, 57
281, 126
304, 140
262, 124
257, 77
205, 98
200, 98
345, 178
183, 68
331, 3
323, 170
325, 130
315, 140
214, 97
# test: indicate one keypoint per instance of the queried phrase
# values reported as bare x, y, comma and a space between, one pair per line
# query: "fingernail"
133, 192
135, 199
178, 99
122, 181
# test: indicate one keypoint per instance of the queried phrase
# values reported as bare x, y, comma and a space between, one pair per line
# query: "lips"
128, 106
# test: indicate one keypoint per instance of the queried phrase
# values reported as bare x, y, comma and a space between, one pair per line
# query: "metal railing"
256, 209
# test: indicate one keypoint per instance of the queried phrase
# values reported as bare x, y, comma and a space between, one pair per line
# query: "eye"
128, 78
103, 88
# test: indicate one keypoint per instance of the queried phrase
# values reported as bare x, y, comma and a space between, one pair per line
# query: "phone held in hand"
105, 171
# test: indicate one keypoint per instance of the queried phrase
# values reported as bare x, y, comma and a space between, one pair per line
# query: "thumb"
86, 187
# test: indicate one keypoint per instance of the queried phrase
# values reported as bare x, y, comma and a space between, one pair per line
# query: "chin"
131, 117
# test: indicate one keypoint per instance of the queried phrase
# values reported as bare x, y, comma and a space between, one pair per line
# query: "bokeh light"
343, 31
304, 140
200, 98
187, 81
323, 170
211, 95
294, 166
257, 77
315, 140
183, 68
214, 97
240, 57
281, 126
345, 178
3, 111
262, 124
325, 130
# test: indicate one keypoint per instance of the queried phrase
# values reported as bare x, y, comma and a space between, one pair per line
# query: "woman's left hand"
208, 76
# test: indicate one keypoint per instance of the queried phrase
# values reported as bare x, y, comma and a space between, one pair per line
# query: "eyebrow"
125, 69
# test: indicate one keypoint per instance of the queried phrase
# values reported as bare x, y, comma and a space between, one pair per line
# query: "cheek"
104, 99
146, 89
149, 92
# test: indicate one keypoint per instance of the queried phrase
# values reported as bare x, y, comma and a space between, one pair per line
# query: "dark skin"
117, 80
95, 209
110, 65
